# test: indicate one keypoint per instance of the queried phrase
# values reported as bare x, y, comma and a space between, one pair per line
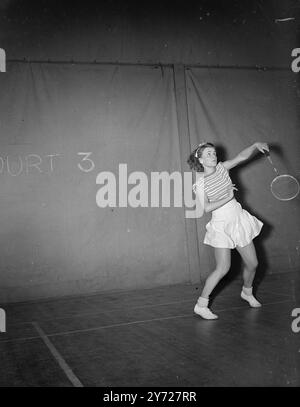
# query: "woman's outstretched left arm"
245, 154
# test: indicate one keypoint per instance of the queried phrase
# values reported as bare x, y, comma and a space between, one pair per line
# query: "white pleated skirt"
231, 226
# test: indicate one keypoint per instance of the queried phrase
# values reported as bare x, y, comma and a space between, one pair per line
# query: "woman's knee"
223, 261
223, 269
252, 265
249, 257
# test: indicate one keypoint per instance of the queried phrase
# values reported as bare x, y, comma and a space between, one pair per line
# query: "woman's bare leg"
248, 254
223, 261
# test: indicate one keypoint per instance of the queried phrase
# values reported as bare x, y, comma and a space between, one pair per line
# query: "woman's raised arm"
245, 154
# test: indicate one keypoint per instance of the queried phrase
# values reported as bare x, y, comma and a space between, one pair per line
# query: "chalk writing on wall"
15, 165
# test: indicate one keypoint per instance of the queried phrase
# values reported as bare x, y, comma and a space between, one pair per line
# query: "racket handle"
267, 155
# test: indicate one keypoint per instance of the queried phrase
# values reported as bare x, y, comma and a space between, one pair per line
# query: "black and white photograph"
149, 195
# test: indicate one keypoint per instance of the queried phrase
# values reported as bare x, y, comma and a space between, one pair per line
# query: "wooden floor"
152, 338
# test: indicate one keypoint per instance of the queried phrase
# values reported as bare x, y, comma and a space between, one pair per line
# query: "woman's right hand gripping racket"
284, 187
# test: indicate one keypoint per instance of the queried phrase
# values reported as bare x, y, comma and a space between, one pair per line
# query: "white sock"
247, 295
248, 290
201, 308
202, 302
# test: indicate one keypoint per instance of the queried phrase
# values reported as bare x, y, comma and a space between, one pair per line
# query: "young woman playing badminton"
230, 226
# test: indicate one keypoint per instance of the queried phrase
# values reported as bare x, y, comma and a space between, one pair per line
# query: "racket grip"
267, 153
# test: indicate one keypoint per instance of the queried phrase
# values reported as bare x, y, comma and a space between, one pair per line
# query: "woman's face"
208, 157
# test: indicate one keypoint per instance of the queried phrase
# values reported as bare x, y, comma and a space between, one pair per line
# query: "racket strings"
285, 187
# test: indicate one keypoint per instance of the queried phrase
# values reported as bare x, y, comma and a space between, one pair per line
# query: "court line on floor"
130, 323
150, 320
119, 308
134, 308
275, 293
57, 356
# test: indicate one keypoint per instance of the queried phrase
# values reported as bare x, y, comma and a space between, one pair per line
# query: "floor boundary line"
58, 357
130, 323
133, 308
282, 294
154, 319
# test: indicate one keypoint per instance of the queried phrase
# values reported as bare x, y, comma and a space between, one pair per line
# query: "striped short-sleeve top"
215, 184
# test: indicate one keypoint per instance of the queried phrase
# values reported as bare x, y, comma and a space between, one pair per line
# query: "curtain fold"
233, 109
62, 125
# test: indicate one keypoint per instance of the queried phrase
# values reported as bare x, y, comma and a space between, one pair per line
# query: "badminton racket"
284, 187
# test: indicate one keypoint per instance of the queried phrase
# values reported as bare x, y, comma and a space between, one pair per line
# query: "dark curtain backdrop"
233, 109
54, 238
55, 118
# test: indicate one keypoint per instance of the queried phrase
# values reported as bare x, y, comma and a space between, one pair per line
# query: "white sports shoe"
251, 300
204, 312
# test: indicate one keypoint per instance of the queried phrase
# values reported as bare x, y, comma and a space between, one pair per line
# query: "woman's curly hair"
193, 160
